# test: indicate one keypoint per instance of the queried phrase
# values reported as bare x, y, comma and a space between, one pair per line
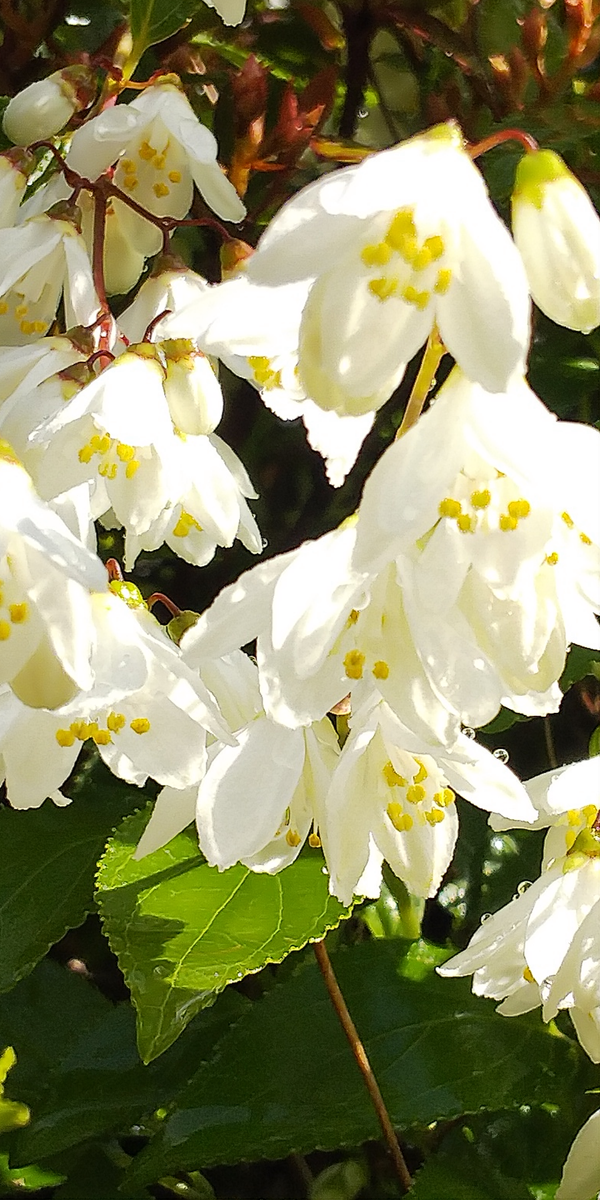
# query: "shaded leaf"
285, 1080
154, 20
183, 930
48, 859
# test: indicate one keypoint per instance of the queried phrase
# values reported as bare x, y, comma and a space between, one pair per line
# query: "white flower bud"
192, 389
557, 231
43, 108
15, 166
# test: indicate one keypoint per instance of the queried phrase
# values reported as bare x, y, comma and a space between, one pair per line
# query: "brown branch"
359, 28
363, 1063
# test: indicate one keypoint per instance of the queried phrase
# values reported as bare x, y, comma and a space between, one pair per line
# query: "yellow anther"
354, 663
402, 231
450, 507
376, 255
481, 499
412, 296
40, 326
421, 773
590, 812
26, 327
400, 820
552, 559
443, 281
18, 613
146, 151
128, 165
381, 669
100, 443
353, 616
383, 288
583, 537
65, 737
102, 737
76, 728
519, 508
111, 471
465, 523
415, 794
435, 246
391, 776
506, 522
130, 182
158, 162
125, 452
292, 838
568, 520
103, 469
4, 631
421, 259
174, 176
160, 189
3, 308
314, 841
131, 468
21, 310
434, 816
528, 976
139, 725
115, 722
443, 798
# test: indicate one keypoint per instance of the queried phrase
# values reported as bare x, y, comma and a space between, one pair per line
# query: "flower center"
423, 788
416, 271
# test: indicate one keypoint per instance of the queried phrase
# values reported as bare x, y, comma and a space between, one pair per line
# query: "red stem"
498, 139
160, 596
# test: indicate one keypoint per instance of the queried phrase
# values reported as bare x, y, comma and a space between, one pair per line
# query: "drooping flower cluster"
470, 566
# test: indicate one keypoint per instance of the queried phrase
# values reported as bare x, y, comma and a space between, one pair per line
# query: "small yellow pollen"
77, 728
128, 165
381, 669
160, 189
314, 841
481, 499
354, 663
40, 326
415, 794
421, 773
102, 737
100, 443
412, 296
3, 307
443, 281
391, 776
353, 616
422, 258
18, 613
65, 737
402, 230
21, 310
158, 162
26, 327
400, 820
583, 537
434, 816
376, 255
506, 522
383, 288
444, 798
590, 812
174, 176
112, 471
131, 468
292, 838
568, 520
528, 976
450, 507
130, 182
552, 559
465, 523
519, 508
140, 725
4, 631
115, 722
573, 816
435, 246
125, 452
146, 151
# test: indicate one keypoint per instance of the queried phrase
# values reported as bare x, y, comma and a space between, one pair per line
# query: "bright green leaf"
48, 859
183, 930
154, 20
285, 1080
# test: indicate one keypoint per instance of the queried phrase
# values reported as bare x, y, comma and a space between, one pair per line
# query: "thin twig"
363, 1063
549, 739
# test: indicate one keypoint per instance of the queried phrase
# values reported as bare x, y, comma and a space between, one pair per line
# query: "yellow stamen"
450, 507
383, 288
160, 189
569, 522
292, 838
174, 176
376, 255
481, 499
131, 468
18, 613
519, 508
4, 631
354, 663
102, 737
506, 522
381, 669
400, 820
434, 816
140, 725
314, 841
412, 296
415, 794
528, 976
443, 281
583, 537
552, 559
391, 776
115, 722
421, 773
465, 523
146, 151
125, 452
65, 737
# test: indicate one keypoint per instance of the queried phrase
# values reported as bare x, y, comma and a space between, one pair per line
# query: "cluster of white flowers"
471, 564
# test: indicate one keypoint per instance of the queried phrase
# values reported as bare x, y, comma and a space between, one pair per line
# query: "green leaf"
48, 860
580, 662
154, 20
285, 1079
183, 930
78, 1065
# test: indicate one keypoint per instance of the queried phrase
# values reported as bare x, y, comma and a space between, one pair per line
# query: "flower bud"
15, 166
557, 231
192, 389
43, 108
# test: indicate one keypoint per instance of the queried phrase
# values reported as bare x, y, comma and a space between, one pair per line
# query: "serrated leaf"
154, 20
285, 1080
78, 1065
183, 930
48, 861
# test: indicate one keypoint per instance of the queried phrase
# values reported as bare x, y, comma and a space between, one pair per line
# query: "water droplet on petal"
523, 887
265, 543
485, 917
502, 755
363, 112
468, 732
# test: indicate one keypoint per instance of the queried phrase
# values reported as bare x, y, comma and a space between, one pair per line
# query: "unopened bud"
44, 108
234, 254
177, 627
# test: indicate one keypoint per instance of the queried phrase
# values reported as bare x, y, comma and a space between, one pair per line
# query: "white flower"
544, 947
231, 12
557, 231
15, 166
491, 509
161, 150
146, 712
41, 260
46, 632
35, 382
406, 239
395, 790
136, 433
581, 1172
43, 108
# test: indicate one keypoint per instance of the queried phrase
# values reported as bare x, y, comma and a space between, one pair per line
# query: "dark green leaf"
183, 930
580, 662
48, 860
154, 20
285, 1080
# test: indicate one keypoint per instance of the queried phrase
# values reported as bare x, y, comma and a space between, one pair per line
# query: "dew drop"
468, 732
265, 543
523, 887
485, 917
502, 755
363, 112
